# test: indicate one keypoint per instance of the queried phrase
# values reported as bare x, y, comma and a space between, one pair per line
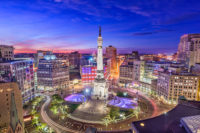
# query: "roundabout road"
58, 128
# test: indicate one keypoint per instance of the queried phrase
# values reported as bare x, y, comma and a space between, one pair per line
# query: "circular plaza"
76, 111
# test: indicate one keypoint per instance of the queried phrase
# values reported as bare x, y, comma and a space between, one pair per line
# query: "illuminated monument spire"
100, 91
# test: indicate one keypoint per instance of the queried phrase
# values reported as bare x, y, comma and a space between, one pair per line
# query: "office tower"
22, 72
111, 53
52, 74
189, 49
39, 55
6, 53
11, 111
74, 59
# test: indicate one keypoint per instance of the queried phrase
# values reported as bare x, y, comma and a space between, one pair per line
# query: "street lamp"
87, 90
90, 60
125, 94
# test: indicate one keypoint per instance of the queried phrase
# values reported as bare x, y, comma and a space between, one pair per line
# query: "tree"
114, 112
107, 120
136, 112
54, 109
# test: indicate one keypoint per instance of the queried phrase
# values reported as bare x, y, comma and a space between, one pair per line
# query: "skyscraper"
111, 53
189, 49
74, 59
52, 74
100, 91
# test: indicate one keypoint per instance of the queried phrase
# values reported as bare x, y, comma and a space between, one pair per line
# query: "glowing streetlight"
87, 90
142, 124
125, 94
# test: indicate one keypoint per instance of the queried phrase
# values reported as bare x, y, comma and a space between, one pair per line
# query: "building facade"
125, 75
170, 86
11, 111
6, 52
111, 54
88, 73
22, 72
74, 59
52, 74
40, 55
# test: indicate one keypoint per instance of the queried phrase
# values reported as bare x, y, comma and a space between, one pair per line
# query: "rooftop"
17, 60
169, 122
191, 123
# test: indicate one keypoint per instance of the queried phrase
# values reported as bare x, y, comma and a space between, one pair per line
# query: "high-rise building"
39, 55
170, 86
22, 72
11, 111
74, 59
111, 53
52, 74
189, 49
6, 52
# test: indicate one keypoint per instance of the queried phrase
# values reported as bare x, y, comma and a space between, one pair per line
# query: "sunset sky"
65, 25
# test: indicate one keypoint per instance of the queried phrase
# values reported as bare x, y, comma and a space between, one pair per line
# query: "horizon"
93, 50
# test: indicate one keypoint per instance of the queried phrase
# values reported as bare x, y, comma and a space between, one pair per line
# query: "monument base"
92, 110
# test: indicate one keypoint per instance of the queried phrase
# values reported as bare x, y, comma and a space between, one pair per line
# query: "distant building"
88, 73
11, 111
149, 57
22, 72
6, 52
146, 71
40, 55
52, 74
130, 58
170, 86
189, 50
111, 53
125, 75
87, 59
138, 70
74, 60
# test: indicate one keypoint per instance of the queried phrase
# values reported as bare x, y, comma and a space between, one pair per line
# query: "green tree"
114, 112
107, 120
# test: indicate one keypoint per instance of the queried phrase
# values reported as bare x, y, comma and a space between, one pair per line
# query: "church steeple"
99, 31
14, 120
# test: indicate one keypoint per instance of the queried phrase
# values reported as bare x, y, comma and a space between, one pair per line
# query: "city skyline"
66, 25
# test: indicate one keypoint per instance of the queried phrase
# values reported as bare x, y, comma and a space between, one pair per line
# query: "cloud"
134, 9
57, 43
152, 32
182, 18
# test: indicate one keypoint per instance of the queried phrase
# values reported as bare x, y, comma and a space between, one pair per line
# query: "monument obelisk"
100, 91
